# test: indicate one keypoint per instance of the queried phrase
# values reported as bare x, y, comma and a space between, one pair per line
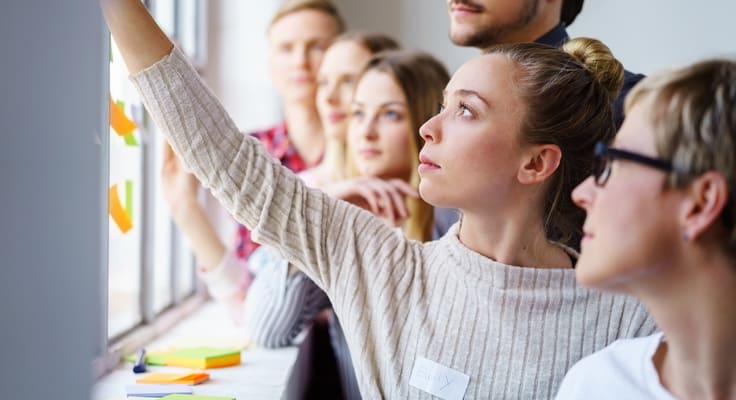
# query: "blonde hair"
569, 101
693, 113
422, 78
288, 7
374, 43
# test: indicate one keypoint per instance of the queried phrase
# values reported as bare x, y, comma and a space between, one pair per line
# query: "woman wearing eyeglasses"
660, 225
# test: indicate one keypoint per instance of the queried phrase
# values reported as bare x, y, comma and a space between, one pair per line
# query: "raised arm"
180, 189
138, 37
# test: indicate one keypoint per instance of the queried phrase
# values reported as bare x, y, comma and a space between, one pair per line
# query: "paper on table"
194, 397
157, 390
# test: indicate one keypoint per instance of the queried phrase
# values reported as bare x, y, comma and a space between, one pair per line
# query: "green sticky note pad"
194, 397
153, 358
204, 352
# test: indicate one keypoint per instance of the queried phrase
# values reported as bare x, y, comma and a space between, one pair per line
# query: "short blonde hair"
693, 113
288, 7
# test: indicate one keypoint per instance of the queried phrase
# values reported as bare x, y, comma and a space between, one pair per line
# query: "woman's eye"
285, 48
348, 82
357, 114
440, 108
392, 115
464, 111
318, 47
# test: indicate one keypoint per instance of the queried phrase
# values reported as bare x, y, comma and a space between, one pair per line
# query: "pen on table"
140, 362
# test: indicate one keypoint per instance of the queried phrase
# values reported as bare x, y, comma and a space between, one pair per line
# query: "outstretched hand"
180, 188
384, 198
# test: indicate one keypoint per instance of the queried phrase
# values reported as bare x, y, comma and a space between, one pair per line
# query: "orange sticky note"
117, 211
119, 121
191, 378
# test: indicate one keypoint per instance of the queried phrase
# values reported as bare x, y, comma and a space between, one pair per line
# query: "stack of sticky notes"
152, 358
180, 378
156, 390
203, 357
194, 397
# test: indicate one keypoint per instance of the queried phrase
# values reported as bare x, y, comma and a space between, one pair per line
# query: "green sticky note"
129, 198
130, 140
152, 358
204, 352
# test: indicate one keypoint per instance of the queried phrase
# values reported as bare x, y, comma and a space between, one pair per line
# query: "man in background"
484, 23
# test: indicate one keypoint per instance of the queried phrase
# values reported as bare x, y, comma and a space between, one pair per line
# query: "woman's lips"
336, 117
426, 164
369, 153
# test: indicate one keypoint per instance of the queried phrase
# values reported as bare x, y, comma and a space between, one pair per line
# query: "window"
150, 267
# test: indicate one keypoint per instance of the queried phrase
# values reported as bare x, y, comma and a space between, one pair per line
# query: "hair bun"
597, 58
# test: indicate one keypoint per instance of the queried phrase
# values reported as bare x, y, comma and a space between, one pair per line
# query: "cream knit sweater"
514, 331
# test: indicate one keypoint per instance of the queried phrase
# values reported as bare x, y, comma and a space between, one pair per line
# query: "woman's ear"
706, 198
539, 163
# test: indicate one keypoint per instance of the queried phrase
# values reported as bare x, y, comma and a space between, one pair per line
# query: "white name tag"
438, 380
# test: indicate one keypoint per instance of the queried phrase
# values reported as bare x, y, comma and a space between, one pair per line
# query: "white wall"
654, 34
237, 69
417, 24
645, 35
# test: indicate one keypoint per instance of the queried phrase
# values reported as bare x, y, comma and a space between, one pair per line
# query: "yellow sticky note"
119, 121
117, 211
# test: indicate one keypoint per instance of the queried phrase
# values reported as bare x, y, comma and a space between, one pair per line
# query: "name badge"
438, 380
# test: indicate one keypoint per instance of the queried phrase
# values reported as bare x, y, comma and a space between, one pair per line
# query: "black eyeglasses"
605, 155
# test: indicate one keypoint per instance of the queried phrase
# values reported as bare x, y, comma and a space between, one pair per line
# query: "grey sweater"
514, 331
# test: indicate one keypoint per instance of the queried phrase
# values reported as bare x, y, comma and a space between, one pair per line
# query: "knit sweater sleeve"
339, 246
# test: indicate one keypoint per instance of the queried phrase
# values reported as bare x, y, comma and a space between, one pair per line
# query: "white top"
623, 370
406, 307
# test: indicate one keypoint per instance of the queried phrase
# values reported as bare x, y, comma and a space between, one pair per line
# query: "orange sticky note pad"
117, 211
119, 121
186, 378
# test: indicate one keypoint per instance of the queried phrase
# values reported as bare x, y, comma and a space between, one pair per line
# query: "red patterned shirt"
277, 143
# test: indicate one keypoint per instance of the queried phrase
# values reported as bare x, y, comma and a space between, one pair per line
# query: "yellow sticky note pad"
203, 357
119, 121
186, 378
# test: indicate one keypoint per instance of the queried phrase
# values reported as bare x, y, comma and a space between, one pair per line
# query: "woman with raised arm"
298, 35
660, 226
492, 309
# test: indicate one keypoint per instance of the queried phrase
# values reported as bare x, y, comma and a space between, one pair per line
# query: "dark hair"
373, 42
568, 97
570, 10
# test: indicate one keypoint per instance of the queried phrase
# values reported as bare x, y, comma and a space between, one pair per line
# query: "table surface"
262, 374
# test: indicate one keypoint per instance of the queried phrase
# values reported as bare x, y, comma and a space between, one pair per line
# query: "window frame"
154, 323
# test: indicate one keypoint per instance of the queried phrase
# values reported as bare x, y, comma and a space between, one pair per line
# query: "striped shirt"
513, 331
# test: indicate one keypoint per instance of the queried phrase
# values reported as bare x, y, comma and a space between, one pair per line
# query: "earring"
685, 237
